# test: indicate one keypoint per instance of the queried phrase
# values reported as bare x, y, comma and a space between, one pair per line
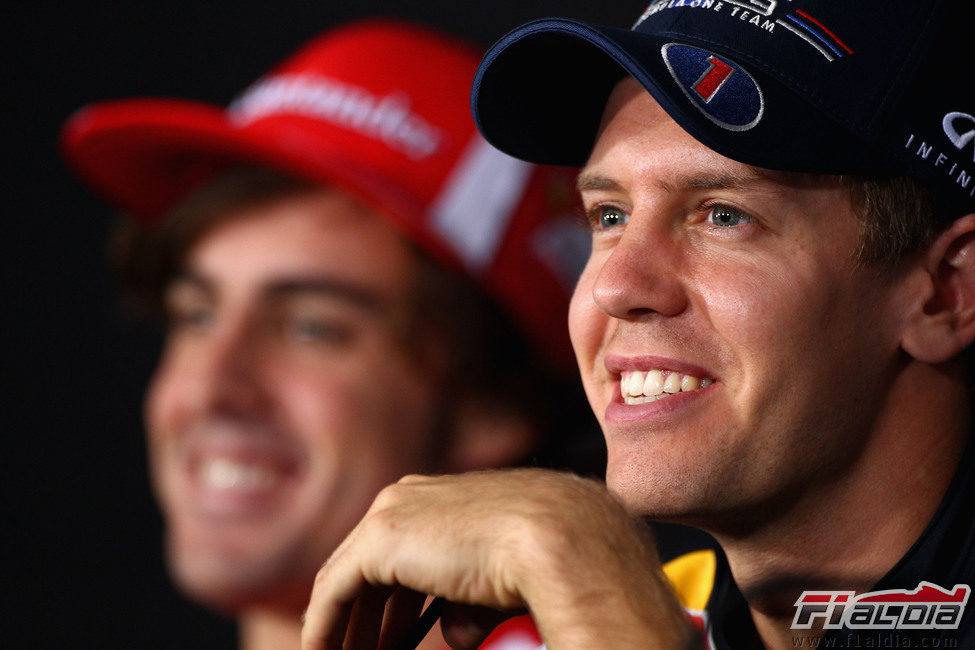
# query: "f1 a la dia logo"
929, 607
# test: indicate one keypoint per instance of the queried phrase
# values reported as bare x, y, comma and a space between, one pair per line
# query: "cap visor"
143, 155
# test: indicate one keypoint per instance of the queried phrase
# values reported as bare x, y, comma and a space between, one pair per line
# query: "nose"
640, 276
226, 370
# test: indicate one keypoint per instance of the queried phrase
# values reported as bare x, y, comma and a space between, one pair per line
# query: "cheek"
325, 408
162, 404
764, 304
371, 414
747, 306
589, 327
587, 323
770, 316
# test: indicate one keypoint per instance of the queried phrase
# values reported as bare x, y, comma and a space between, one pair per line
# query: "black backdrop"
83, 566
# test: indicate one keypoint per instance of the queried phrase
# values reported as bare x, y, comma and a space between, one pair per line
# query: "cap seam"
923, 35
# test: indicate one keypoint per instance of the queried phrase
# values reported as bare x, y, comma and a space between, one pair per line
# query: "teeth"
638, 387
672, 385
227, 474
688, 382
636, 384
653, 385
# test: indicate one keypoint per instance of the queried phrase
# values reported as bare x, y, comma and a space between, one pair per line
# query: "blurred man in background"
356, 286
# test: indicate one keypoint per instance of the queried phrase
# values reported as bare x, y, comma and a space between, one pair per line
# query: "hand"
552, 542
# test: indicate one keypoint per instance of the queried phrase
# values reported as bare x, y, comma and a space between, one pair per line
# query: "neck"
849, 531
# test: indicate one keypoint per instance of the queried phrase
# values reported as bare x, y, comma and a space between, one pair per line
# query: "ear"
486, 435
945, 323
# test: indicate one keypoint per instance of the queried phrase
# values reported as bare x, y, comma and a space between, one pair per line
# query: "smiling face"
732, 350
286, 397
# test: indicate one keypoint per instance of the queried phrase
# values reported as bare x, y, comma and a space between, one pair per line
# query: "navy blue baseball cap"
867, 87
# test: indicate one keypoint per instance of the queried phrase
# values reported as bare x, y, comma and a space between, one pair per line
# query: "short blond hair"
897, 217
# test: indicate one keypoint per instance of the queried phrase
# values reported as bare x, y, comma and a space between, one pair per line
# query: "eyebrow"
682, 182
290, 286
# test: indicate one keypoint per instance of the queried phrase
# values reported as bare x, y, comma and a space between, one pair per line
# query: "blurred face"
285, 398
732, 351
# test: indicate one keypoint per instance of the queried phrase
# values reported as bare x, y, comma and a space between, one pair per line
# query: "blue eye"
608, 217
726, 217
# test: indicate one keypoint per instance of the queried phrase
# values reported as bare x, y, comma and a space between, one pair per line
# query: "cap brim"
540, 92
143, 155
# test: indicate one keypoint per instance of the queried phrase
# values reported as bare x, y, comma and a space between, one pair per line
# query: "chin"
230, 581
667, 494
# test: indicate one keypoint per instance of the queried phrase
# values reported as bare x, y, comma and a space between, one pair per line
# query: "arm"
554, 543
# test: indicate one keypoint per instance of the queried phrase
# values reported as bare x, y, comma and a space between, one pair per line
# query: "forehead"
639, 143
322, 233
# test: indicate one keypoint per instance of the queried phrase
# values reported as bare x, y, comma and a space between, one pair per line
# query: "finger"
338, 585
330, 606
405, 628
366, 622
467, 626
325, 630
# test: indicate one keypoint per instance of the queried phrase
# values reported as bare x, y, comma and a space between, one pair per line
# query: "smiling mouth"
225, 473
644, 386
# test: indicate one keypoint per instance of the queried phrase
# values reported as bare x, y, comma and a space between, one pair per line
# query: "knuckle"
323, 572
387, 498
412, 479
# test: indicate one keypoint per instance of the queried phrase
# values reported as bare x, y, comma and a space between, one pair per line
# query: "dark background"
83, 566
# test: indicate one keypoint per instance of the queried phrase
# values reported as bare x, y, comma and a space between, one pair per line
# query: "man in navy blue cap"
771, 331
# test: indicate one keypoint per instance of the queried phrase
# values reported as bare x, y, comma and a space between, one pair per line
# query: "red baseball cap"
380, 109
